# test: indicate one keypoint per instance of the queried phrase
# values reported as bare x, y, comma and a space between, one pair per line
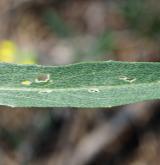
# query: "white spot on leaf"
26, 82
42, 78
93, 90
45, 91
127, 79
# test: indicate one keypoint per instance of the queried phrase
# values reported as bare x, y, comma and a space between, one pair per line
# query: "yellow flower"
7, 51
11, 54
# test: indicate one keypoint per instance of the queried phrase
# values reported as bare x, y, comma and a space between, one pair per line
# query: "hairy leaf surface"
94, 84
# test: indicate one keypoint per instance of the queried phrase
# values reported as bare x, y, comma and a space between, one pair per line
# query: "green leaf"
94, 84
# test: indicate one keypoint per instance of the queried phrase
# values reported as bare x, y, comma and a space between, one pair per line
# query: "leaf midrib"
78, 88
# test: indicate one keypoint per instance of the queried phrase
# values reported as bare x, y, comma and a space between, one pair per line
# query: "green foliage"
103, 45
56, 24
94, 84
143, 16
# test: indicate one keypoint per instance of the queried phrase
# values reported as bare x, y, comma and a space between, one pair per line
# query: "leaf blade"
94, 84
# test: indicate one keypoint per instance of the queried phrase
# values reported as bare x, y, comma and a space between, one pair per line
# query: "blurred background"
58, 32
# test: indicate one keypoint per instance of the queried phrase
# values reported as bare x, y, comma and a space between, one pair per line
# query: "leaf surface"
94, 84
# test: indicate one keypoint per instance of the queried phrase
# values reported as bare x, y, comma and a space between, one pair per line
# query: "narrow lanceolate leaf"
95, 84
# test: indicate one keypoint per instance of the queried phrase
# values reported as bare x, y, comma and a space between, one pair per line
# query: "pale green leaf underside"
94, 84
